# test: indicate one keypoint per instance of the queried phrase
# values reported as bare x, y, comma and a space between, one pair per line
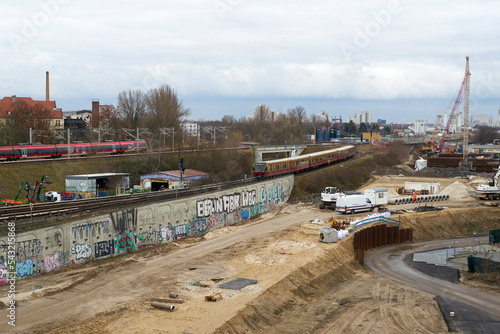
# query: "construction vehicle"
329, 197
491, 189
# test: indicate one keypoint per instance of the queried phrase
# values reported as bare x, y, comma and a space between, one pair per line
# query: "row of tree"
158, 114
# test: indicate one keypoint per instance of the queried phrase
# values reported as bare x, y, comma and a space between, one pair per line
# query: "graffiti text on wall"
271, 194
124, 220
104, 248
82, 251
224, 204
125, 241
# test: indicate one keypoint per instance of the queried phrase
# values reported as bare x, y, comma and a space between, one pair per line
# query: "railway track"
45, 214
65, 159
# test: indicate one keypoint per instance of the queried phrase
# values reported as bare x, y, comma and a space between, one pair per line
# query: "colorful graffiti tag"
125, 241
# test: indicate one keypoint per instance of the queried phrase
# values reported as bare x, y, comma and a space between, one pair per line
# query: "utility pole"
69, 145
198, 135
144, 131
168, 132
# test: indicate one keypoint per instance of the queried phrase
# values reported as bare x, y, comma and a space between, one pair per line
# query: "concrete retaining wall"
52, 248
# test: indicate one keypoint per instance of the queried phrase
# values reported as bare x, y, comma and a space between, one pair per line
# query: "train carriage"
303, 162
77, 149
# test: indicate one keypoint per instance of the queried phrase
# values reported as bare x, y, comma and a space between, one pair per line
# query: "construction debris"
163, 306
213, 297
238, 283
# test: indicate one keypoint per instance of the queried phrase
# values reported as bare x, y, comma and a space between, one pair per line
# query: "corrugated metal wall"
377, 236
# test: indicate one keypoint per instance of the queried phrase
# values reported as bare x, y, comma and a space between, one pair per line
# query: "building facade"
362, 117
54, 118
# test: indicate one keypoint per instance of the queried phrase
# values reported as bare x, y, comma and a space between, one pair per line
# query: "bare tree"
112, 118
297, 119
164, 108
23, 116
132, 104
484, 134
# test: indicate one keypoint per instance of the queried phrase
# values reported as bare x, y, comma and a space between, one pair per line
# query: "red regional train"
77, 149
302, 162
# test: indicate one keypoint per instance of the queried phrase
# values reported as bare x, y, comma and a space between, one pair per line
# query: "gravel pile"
458, 190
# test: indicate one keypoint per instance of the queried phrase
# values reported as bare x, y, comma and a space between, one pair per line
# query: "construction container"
378, 196
422, 188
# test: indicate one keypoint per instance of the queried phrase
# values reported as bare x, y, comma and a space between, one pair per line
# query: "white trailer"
378, 196
353, 204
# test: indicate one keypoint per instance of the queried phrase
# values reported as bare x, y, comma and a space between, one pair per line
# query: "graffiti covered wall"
124, 231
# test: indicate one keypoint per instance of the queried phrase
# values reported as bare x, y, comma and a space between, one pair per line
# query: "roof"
95, 176
378, 190
189, 174
486, 146
7, 103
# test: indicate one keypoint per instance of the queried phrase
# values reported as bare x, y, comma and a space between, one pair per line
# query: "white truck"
52, 196
353, 204
491, 189
329, 197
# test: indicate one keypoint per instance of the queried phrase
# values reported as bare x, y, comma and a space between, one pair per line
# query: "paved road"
389, 262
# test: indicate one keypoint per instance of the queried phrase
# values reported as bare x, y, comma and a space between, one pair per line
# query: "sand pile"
458, 190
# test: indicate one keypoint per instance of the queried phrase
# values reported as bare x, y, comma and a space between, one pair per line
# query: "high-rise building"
191, 129
482, 119
362, 117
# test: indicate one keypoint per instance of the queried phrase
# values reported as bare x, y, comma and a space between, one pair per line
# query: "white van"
353, 204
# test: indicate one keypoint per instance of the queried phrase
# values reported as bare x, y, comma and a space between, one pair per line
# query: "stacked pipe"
418, 199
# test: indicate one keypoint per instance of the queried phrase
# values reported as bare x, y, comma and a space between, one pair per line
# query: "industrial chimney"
95, 114
47, 95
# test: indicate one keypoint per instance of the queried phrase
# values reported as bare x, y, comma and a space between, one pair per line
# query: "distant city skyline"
400, 60
394, 111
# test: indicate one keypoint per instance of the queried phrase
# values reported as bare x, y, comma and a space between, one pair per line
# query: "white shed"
378, 196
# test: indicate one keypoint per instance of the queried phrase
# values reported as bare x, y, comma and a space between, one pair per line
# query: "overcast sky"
401, 60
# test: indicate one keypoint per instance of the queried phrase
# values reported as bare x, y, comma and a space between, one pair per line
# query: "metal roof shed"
171, 179
97, 185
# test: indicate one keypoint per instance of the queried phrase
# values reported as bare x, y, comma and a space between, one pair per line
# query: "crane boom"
465, 145
458, 102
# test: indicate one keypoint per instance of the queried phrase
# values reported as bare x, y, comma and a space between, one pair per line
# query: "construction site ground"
303, 286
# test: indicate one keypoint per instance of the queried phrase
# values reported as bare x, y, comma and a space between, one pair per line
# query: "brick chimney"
95, 114
13, 99
47, 95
